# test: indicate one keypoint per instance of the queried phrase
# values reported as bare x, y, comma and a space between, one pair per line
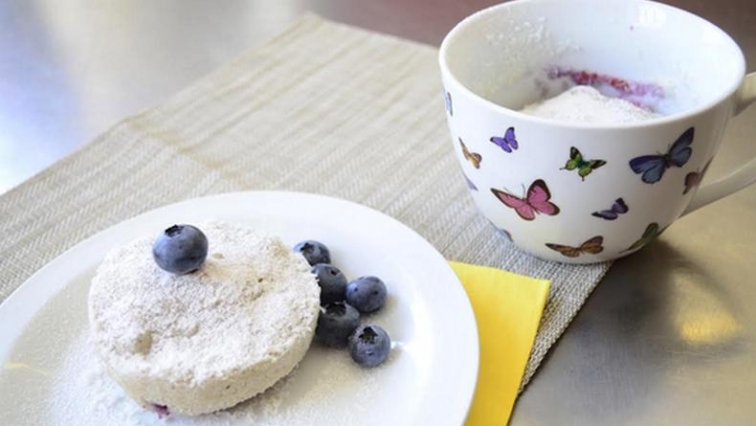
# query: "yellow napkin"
508, 309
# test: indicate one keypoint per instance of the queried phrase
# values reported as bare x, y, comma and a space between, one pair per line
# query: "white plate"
50, 375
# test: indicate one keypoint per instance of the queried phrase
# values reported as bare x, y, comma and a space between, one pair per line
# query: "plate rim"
457, 398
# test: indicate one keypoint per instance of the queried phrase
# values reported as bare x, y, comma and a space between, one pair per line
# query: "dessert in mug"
585, 104
596, 175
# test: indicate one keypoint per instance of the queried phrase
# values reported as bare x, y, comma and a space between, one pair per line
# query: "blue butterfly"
502, 231
508, 142
619, 207
653, 166
448, 102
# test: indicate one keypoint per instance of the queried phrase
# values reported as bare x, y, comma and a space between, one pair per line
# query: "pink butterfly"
692, 179
535, 201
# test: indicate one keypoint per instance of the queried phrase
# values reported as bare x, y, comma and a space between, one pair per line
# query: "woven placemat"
323, 108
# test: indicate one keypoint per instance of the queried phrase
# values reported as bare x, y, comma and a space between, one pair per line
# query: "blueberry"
336, 322
161, 410
331, 281
180, 249
367, 294
315, 252
369, 345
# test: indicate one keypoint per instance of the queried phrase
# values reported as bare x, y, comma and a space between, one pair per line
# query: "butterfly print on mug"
505, 233
502, 231
470, 184
583, 166
448, 102
592, 246
652, 167
508, 143
652, 231
535, 201
618, 207
692, 179
473, 157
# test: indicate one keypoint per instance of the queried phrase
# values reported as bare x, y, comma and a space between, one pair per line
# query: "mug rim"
653, 122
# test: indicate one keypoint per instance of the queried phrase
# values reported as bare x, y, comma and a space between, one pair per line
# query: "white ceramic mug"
583, 193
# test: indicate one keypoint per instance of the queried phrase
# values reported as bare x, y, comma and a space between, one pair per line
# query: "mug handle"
743, 176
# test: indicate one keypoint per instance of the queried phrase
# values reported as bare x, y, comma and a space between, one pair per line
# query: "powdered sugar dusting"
204, 341
54, 376
515, 46
85, 394
584, 104
649, 96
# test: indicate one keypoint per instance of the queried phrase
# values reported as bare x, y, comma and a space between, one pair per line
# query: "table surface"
667, 337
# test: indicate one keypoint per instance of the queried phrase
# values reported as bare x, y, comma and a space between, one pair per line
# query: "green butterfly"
652, 231
584, 167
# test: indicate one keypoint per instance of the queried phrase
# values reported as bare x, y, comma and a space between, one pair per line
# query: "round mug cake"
210, 339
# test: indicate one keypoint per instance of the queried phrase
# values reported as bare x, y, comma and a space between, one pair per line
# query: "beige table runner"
322, 108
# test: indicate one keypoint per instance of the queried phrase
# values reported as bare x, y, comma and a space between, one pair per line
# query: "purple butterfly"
653, 166
508, 142
470, 183
619, 207
448, 102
